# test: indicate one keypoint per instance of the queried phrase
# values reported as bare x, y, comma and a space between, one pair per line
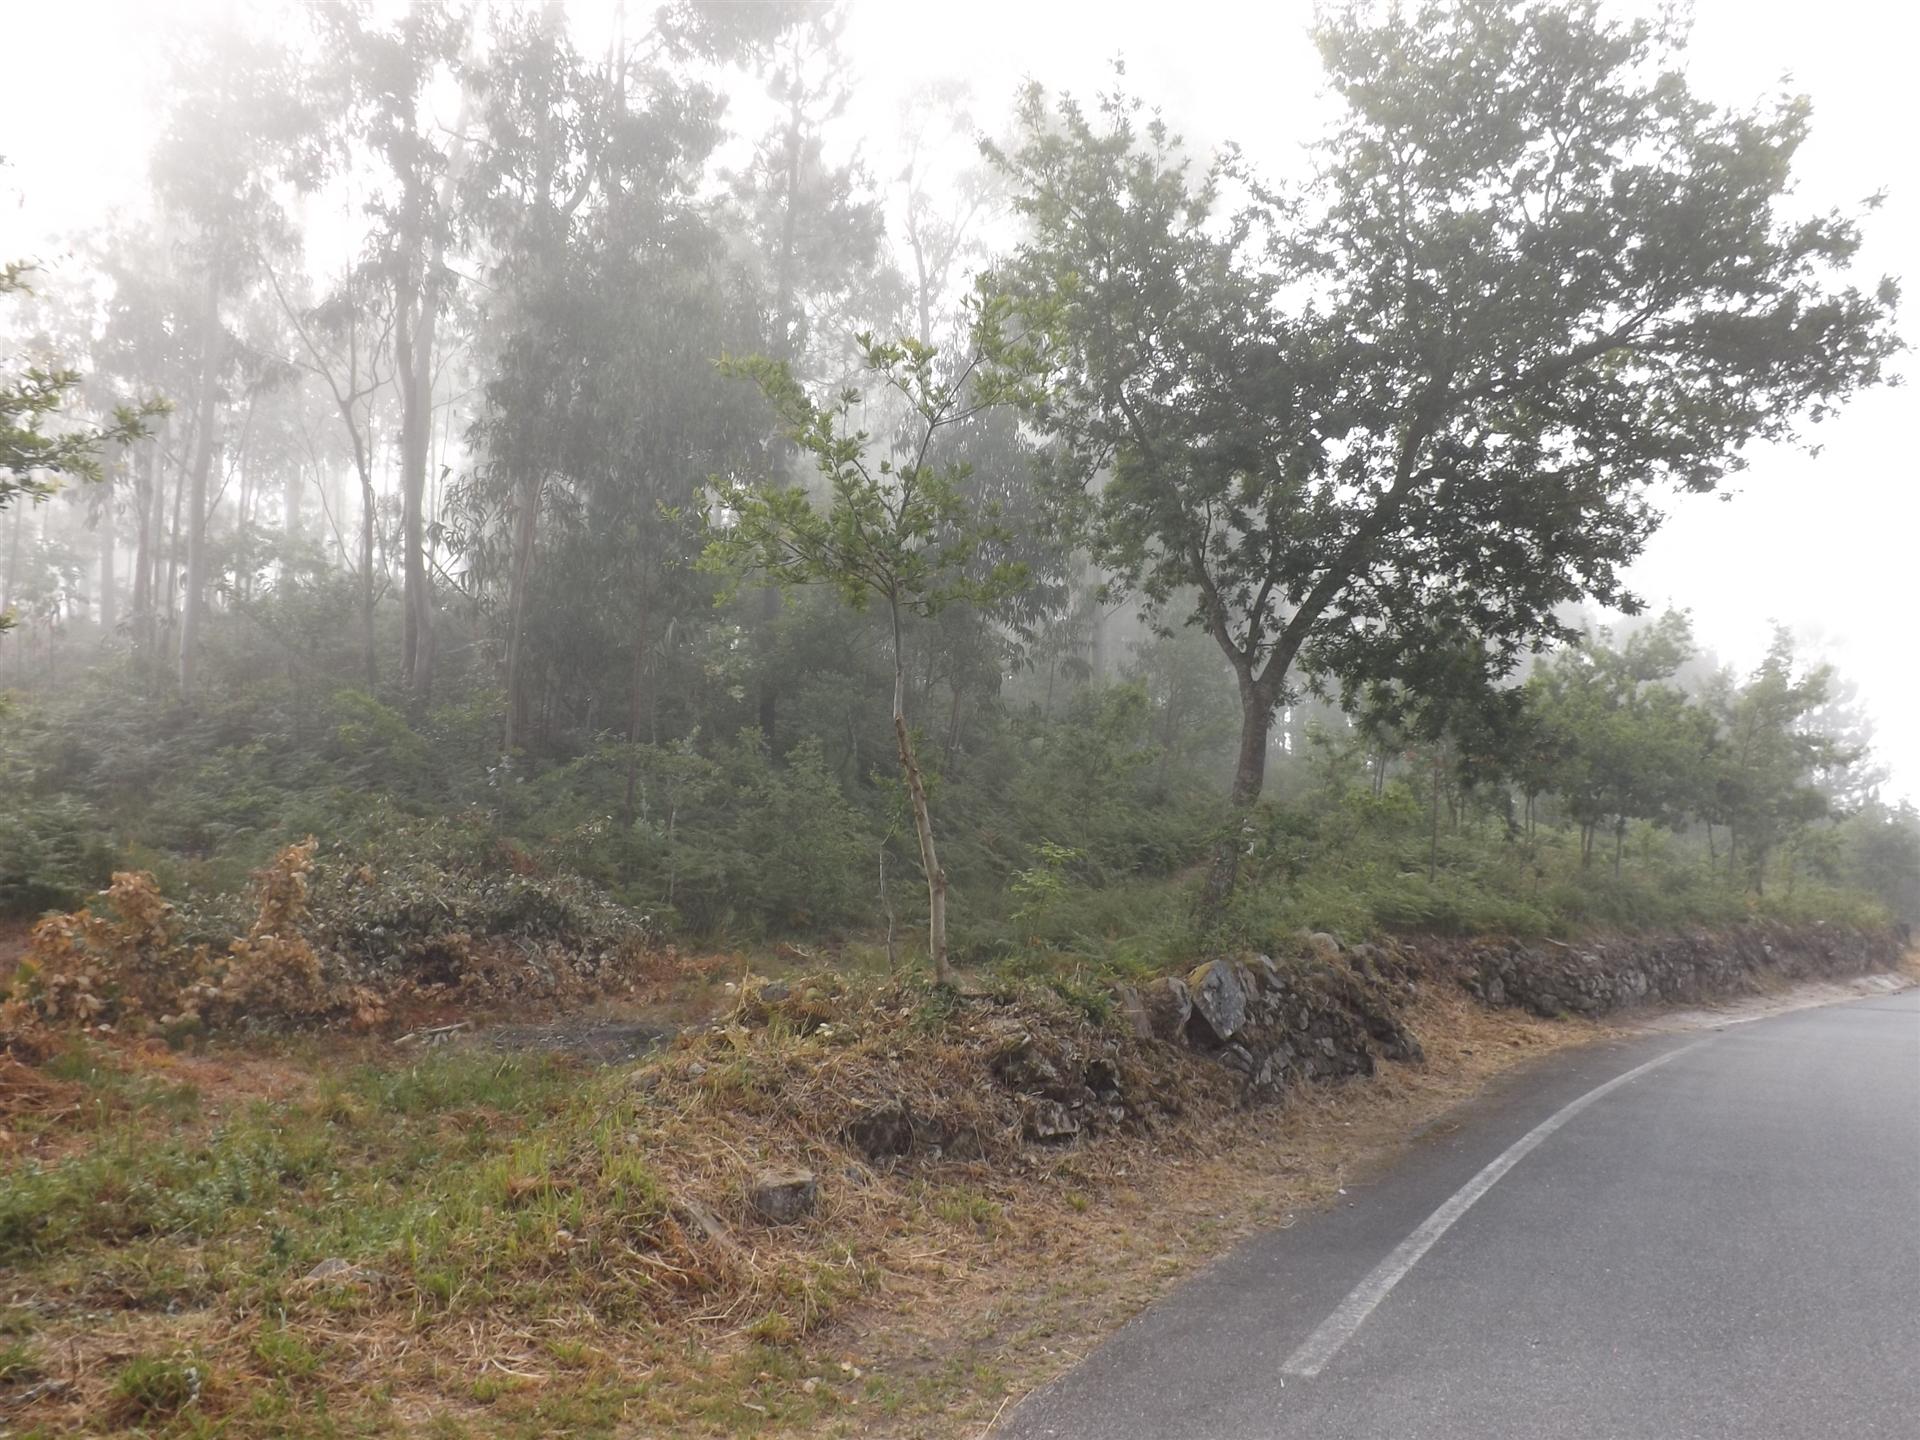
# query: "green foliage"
53, 853
442, 1083
1613, 741
19, 1363
1368, 439
1880, 852
1417, 405
154, 1388
898, 527
1041, 886
733, 840
33, 458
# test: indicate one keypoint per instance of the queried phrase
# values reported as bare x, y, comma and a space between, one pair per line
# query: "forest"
1022, 543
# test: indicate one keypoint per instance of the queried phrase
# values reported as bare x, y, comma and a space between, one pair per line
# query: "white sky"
1827, 544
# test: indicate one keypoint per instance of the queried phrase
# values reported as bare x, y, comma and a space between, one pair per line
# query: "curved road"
1712, 1236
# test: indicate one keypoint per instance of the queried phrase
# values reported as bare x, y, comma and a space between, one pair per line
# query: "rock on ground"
780, 1197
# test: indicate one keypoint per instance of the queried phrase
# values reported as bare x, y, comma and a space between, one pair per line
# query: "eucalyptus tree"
1532, 279
216, 171
607, 391
815, 227
611, 288
813, 230
344, 340
896, 529
945, 205
385, 80
52, 429
146, 344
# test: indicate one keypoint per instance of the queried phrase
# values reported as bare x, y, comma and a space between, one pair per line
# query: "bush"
734, 840
53, 852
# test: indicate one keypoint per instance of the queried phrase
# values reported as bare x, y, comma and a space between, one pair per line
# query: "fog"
1821, 543
493, 362
685, 688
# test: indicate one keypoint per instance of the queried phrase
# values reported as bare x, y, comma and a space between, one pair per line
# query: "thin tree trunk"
886, 907
173, 546
525, 530
1166, 743
953, 728
369, 501
416, 337
109, 581
143, 484
1433, 834
922, 818
243, 519
193, 610
290, 503
415, 346
12, 587
636, 712
767, 702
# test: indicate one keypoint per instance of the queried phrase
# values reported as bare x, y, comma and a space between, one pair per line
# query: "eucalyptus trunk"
145, 481
109, 580
415, 349
525, 531
636, 714
194, 603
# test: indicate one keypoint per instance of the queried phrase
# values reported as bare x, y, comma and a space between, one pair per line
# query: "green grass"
468, 1187
1362, 871
151, 1388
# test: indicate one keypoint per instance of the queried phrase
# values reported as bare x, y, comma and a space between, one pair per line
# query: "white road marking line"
1339, 1327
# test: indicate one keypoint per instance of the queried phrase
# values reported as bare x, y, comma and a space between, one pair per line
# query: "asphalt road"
1725, 1243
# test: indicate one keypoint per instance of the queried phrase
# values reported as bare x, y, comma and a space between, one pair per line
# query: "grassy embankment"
540, 1246
337, 1235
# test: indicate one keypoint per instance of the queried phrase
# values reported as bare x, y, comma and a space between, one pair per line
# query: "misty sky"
1827, 544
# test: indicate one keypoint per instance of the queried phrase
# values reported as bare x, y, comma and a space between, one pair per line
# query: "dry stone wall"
1335, 1010
1601, 976
1248, 1028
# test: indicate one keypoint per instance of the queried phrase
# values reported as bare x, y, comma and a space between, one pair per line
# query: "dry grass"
1117, 1227
546, 1247
552, 1248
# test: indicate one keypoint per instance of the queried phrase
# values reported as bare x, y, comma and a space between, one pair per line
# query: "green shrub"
54, 852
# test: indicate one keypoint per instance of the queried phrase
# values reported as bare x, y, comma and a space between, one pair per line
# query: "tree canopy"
1431, 391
